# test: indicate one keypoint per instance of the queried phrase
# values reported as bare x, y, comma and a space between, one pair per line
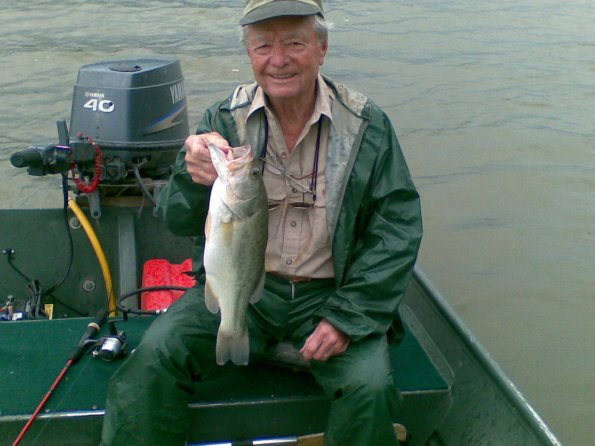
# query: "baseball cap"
258, 10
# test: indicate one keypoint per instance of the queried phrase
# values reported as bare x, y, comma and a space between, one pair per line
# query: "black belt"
290, 278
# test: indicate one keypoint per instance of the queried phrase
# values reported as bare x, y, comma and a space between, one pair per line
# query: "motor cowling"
135, 111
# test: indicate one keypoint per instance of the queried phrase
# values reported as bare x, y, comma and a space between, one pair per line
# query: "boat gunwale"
487, 362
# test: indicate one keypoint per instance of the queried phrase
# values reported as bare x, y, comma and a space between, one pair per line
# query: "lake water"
494, 105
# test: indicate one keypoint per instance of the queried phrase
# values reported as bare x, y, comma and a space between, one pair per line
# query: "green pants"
147, 401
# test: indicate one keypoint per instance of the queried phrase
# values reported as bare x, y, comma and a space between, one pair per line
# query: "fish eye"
255, 172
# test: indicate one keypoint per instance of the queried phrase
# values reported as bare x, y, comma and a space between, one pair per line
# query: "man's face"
286, 55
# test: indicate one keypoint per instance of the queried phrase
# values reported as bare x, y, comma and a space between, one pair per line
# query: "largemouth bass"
236, 236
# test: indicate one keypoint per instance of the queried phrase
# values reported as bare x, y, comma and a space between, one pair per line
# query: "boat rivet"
89, 285
74, 223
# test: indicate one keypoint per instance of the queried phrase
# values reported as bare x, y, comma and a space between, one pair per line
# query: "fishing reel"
112, 346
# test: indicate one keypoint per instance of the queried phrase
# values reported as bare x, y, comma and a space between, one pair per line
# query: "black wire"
68, 232
140, 182
34, 288
123, 297
35, 292
9, 254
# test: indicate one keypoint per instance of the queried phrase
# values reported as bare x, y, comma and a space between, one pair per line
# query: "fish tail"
236, 348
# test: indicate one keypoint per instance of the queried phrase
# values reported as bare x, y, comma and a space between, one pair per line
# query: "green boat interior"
256, 402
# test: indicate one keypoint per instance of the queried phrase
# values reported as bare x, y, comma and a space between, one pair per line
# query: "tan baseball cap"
258, 10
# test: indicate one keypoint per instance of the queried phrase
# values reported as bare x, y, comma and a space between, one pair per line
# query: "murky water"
494, 104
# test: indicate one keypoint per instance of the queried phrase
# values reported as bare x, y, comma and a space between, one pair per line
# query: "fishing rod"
92, 329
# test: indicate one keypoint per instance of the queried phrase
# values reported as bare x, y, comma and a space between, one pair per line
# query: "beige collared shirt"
299, 243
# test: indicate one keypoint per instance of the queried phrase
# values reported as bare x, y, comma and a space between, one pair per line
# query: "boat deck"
263, 400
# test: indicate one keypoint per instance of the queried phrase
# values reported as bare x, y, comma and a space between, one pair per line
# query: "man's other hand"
326, 341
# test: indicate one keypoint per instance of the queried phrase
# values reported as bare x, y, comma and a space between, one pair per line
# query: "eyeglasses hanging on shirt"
275, 166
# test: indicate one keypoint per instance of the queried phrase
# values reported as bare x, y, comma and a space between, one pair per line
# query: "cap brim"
279, 9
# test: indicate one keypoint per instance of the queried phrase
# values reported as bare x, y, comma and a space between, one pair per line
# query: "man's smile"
282, 76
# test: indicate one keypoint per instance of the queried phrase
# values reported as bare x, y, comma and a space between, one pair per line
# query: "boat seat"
263, 400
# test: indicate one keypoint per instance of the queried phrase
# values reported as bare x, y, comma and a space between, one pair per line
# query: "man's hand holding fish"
198, 157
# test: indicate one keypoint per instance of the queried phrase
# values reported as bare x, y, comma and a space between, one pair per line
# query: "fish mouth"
239, 153
238, 157
231, 154
230, 161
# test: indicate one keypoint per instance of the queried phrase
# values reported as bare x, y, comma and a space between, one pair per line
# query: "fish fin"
223, 348
259, 290
227, 232
211, 300
240, 349
226, 215
236, 348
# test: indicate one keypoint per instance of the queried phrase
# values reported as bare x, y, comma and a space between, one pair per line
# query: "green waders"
148, 395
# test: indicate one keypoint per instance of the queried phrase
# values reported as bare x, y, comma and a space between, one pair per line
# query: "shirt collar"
322, 106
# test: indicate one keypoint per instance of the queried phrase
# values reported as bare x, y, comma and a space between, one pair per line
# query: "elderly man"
344, 231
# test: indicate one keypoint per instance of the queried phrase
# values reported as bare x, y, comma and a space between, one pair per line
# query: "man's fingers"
198, 157
324, 342
311, 347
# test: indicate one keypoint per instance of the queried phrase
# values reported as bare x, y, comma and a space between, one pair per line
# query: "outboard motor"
128, 117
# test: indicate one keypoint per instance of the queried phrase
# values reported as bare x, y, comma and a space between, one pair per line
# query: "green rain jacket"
373, 208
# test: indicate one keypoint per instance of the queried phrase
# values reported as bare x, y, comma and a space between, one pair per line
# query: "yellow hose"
107, 277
